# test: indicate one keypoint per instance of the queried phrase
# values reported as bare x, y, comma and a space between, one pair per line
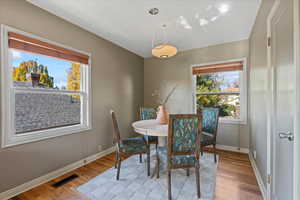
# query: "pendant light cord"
164, 41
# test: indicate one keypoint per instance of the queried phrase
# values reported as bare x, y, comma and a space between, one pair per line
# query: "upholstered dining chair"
130, 146
210, 120
183, 149
146, 114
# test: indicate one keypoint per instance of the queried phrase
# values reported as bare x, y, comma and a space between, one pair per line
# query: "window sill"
232, 121
14, 139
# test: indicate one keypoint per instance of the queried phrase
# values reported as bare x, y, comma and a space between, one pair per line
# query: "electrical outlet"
99, 148
254, 155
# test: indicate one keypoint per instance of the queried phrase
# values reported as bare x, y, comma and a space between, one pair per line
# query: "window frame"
9, 136
243, 91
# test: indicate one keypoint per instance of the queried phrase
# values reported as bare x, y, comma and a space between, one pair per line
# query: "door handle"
289, 135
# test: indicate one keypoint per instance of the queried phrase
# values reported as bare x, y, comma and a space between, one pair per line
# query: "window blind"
225, 67
25, 43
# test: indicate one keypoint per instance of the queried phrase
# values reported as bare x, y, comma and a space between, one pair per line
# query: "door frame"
297, 117
271, 98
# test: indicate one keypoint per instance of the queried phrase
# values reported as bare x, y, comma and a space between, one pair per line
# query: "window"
45, 88
222, 85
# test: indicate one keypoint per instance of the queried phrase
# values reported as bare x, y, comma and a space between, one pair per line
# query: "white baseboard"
52, 175
258, 177
231, 148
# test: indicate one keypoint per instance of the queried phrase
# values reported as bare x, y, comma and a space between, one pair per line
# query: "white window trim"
243, 91
9, 137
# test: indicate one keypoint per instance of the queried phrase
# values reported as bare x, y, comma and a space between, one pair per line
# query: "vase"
162, 115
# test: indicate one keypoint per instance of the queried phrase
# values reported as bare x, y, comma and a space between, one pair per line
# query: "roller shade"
25, 43
225, 67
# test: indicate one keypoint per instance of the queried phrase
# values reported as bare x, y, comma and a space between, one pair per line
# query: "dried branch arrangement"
163, 100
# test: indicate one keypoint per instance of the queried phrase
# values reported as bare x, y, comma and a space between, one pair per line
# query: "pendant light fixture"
161, 48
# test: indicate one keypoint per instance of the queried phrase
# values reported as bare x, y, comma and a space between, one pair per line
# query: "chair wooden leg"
141, 158
157, 166
119, 167
201, 151
116, 159
148, 163
187, 172
169, 185
215, 153
198, 180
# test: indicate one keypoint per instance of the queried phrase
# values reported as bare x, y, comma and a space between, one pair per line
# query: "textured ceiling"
190, 24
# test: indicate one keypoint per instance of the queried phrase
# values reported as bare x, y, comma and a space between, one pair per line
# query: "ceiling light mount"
153, 11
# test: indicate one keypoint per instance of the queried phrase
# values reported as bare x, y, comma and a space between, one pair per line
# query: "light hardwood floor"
235, 180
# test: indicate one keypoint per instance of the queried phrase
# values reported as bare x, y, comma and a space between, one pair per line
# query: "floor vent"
65, 180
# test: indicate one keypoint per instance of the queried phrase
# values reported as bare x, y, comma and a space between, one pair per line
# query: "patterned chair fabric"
210, 120
133, 145
176, 159
184, 140
184, 160
185, 134
147, 114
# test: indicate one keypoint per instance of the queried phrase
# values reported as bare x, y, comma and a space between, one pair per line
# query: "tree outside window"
222, 90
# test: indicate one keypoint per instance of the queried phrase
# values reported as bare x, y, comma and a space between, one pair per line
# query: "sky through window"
57, 68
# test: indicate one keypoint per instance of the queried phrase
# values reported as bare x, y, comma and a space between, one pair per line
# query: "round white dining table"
152, 128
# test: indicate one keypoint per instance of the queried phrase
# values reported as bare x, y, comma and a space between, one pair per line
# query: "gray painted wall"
117, 80
164, 74
258, 88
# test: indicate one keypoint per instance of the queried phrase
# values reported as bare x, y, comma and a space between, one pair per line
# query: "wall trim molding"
52, 175
259, 179
232, 148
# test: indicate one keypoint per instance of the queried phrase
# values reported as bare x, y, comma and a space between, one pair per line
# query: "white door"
284, 100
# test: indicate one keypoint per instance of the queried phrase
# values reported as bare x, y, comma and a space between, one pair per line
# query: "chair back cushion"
147, 113
210, 118
184, 133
